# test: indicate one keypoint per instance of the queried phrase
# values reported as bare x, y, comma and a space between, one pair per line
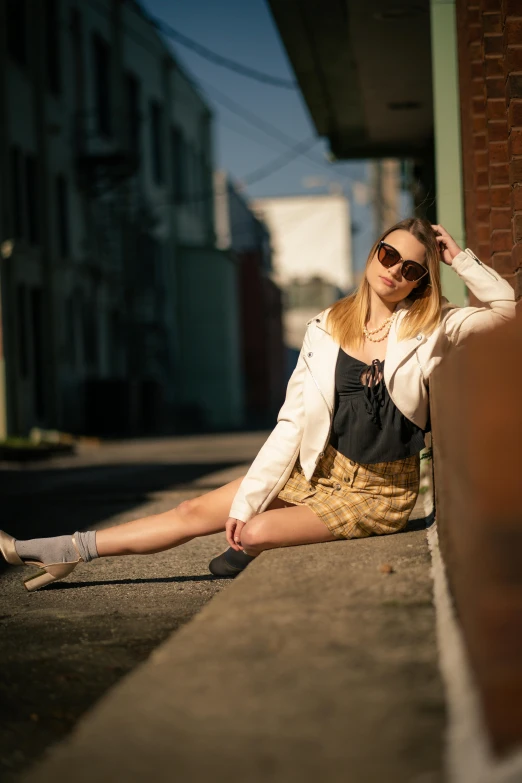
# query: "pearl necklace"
387, 325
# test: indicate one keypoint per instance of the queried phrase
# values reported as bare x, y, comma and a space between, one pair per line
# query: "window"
32, 199
52, 45
16, 23
21, 313
62, 215
37, 339
133, 113
155, 118
17, 191
179, 166
102, 85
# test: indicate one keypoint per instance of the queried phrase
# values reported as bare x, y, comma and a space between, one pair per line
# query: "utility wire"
218, 59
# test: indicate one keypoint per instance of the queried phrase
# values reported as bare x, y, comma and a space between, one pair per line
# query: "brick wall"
490, 65
477, 444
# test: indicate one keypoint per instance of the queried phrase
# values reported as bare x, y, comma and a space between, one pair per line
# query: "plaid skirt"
353, 500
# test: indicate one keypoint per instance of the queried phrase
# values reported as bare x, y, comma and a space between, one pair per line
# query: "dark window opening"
21, 313
16, 33
155, 138
52, 45
37, 329
179, 166
17, 193
32, 200
133, 113
62, 214
102, 85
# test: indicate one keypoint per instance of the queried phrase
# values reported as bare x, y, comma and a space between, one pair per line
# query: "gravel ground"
63, 647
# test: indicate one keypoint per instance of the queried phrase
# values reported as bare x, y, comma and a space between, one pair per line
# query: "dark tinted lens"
388, 256
412, 271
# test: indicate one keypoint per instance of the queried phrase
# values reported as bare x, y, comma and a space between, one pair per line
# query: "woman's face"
389, 284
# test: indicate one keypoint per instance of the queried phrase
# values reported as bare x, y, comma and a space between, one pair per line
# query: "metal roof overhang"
364, 69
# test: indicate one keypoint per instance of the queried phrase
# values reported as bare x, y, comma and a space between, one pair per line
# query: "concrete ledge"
313, 665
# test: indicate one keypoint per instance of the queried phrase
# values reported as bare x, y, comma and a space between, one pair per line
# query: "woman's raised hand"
233, 529
447, 245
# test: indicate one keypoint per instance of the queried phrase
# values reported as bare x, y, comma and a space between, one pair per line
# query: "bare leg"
200, 516
284, 527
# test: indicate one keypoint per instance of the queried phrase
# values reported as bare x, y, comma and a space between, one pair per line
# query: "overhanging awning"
364, 69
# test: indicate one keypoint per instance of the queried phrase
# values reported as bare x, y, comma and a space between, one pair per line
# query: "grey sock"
87, 544
58, 549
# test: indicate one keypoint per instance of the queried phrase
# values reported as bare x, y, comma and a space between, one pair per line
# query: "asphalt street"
63, 647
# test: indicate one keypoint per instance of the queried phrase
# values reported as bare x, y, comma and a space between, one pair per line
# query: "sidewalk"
312, 665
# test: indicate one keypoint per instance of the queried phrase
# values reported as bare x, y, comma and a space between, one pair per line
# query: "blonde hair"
349, 315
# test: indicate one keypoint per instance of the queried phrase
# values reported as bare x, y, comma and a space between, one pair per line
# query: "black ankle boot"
229, 563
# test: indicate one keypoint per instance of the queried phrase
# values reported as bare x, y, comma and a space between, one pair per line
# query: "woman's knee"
253, 535
190, 510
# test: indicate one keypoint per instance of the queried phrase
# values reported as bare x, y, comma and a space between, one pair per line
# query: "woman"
343, 460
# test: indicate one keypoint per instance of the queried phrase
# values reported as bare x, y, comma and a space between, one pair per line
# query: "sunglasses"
410, 270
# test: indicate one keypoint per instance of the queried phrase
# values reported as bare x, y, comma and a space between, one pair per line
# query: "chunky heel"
51, 573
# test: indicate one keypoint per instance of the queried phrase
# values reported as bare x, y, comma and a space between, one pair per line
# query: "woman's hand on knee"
233, 529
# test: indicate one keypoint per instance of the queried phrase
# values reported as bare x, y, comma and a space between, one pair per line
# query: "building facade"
246, 240
106, 159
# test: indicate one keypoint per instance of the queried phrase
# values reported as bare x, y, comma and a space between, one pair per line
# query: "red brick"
513, 61
500, 219
495, 87
492, 23
493, 66
498, 152
478, 70
475, 51
474, 33
497, 130
479, 124
516, 254
482, 214
499, 174
501, 240
479, 141
474, 16
514, 85
478, 87
515, 171
481, 159
483, 233
504, 263
517, 198
513, 31
489, 6
481, 179
478, 104
496, 108
493, 45
515, 112
482, 195
484, 250
500, 196
517, 227
515, 141
511, 7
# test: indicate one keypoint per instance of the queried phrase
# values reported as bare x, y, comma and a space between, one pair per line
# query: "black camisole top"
367, 426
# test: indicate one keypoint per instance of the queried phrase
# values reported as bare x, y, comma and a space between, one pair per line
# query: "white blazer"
305, 419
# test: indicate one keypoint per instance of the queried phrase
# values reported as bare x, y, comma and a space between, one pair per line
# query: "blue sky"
243, 30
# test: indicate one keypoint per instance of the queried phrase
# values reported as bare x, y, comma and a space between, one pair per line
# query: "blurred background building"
119, 313
311, 243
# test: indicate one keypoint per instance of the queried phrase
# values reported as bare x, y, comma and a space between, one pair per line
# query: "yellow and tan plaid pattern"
353, 500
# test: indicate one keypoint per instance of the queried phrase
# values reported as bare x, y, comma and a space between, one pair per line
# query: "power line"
276, 165
218, 59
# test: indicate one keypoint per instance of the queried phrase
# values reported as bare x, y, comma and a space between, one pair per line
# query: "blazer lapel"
397, 351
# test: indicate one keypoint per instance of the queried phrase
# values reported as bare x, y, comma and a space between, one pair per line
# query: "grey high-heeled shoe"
47, 572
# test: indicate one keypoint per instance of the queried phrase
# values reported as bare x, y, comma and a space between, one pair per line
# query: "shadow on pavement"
60, 501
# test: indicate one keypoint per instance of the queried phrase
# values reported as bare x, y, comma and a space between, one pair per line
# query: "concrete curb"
313, 664
468, 755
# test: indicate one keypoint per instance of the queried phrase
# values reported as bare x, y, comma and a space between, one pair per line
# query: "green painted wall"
448, 163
